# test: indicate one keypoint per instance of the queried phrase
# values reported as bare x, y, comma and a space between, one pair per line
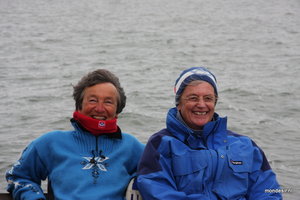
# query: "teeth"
200, 113
99, 117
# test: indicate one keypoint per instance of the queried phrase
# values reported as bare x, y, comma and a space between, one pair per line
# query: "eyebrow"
105, 98
92, 96
198, 95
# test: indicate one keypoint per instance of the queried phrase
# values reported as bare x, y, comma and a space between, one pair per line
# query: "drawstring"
93, 161
95, 153
100, 154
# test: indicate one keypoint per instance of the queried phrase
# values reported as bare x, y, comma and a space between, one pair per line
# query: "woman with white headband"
197, 157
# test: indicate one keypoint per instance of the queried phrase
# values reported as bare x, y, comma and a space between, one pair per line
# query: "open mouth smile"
200, 113
99, 117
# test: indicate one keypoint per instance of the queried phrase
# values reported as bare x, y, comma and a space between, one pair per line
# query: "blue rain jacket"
178, 164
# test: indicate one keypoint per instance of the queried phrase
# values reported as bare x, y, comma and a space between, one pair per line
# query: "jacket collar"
81, 129
213, 133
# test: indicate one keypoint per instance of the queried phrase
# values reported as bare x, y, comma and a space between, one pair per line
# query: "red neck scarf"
95, 126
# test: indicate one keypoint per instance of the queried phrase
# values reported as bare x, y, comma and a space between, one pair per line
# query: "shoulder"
159, 141
157, 138
164, 133
130, 140
241, 142
45, 144
52, 136
242, 139
235, 137
130, 146
55, 134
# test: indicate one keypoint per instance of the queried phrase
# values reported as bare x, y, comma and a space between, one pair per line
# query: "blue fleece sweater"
78, 165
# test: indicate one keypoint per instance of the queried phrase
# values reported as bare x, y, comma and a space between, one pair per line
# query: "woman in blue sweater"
93, 161
196, 157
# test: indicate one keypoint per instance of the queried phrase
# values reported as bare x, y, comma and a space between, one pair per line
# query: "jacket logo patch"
236, 162
101, 124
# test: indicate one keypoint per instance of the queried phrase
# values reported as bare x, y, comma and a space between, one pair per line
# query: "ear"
216, 100
179, 106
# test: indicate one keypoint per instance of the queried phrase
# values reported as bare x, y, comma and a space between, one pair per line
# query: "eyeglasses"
196, 99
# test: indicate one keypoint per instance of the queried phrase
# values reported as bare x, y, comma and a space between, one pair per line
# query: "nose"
99, 107
201, 102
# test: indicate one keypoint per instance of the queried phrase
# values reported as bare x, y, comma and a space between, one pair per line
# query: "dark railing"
7, 196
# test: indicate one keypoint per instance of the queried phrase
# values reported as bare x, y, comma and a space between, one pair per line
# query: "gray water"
252, 46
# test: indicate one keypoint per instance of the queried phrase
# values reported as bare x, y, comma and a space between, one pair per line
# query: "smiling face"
100, 101
197, 104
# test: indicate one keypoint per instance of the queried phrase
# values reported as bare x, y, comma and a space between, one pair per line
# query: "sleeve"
263, 183
155, 177
24, 178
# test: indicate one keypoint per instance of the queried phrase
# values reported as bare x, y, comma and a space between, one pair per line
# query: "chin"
200, 124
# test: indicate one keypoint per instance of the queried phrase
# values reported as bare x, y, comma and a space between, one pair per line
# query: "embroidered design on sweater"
95, 164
